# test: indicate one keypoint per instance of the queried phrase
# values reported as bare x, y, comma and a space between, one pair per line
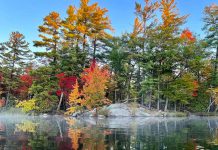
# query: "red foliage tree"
94, 89
187, 35
26, 81
65, 83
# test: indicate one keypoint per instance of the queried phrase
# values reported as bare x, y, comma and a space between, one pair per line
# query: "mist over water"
59, 133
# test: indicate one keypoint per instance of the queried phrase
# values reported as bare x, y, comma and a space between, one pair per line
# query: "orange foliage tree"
169, 15
92, 95
187, 35
94, 89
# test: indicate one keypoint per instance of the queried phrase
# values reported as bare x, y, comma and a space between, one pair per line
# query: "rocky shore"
127, 110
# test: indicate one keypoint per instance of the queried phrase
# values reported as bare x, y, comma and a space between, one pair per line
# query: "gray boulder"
125, 110
141, 112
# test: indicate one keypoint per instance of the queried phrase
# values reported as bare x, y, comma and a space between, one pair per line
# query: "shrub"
27, 105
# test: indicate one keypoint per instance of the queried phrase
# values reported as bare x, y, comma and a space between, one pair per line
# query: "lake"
60, 133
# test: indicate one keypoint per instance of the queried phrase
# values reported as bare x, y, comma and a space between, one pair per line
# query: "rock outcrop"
126, 110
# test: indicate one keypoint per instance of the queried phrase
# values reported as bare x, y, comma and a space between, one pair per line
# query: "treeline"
159, 64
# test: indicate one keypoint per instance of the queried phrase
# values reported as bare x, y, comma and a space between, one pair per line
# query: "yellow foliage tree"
100, 23
84, 15
27, 105
70, 31
92, 22
86, 24
75, 101
50, 35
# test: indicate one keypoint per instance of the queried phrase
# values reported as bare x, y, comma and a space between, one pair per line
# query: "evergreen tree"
44, 89
211, 29
15, 57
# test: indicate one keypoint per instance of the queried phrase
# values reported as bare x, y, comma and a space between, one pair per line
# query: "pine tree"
146, 14
164, 44
145, 22
100, 23
211, 29
92, 23
15, 57
16, 52
84, 24
50, 35
44, 89
72, 44
71, 34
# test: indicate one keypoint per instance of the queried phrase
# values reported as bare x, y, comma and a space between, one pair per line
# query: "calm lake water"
59, 133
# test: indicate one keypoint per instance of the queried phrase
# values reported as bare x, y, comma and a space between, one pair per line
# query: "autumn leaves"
82, 26
158, 62
92, 94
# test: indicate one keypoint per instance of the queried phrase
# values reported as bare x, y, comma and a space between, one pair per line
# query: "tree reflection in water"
59, 133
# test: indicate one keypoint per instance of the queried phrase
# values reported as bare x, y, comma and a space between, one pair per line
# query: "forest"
160, 64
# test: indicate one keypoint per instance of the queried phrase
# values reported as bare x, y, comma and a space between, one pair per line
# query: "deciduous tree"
94, 89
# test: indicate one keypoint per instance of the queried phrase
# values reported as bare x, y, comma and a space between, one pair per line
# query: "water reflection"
59, 133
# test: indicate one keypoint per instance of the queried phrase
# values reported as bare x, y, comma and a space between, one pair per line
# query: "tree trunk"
210, 104
96, 112
138, 79
7, 99
13, 65
61, 98
95, 46
216, 109
127, 98
149, 105
55, 51
179, 107
150, 99
142, 99
175, 106
115, 96
128, 89
166, 105
158, 96
84, 42
77, 47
